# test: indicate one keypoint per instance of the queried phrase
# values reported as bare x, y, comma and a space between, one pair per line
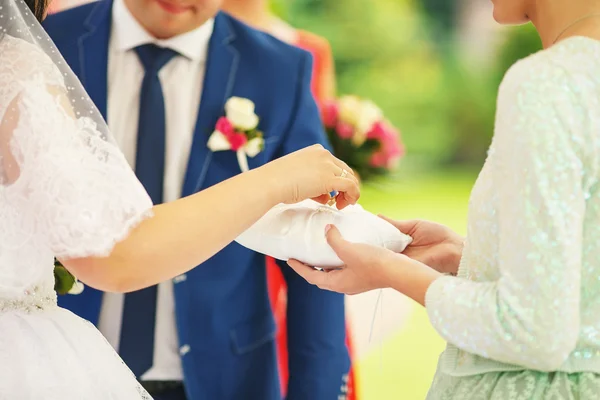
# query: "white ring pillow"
297, 231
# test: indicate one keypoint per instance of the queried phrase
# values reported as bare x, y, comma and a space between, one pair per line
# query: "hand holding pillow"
297, 231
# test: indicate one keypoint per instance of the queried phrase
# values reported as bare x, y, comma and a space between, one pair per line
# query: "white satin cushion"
297, 231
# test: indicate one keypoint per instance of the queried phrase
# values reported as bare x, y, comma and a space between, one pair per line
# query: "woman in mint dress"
522, 316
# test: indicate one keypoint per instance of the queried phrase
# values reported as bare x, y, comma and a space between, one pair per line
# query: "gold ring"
344, 173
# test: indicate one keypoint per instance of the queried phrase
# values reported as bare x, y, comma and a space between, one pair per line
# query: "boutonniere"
64, 281
237, 131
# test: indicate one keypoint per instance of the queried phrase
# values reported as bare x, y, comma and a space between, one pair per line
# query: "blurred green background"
434, 67
408, 56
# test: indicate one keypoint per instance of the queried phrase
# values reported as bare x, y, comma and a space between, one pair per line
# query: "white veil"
37, 55
65, 187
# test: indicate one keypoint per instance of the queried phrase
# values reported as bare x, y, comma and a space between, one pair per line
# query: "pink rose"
389, 138
378, 131
225, 127
344, 130
391, 149
237, 141
330, 113
378, 159
392, 158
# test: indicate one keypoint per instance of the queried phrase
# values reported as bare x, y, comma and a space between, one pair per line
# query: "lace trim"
105, 249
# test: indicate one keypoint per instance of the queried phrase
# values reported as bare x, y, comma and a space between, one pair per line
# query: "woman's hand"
364, 268
367, 268
312, 173
433, 244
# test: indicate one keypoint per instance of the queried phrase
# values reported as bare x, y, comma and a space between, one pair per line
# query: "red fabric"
278, 295
323, 88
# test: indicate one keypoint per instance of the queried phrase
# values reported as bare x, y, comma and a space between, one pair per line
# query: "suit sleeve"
318, 356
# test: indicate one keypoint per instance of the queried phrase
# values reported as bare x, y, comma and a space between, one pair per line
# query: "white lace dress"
64, 192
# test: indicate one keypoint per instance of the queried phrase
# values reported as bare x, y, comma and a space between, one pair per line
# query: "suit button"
180, 278
183, 350
345, 378
341, 397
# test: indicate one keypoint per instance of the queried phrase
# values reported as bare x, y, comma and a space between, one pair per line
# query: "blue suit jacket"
225, 324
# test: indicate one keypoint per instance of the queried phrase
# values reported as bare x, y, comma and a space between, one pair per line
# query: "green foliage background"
403, 55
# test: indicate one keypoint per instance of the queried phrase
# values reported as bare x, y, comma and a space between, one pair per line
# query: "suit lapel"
93, 54
221, 68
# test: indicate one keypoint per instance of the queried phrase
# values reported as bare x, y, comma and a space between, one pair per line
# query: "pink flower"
237, 141
225, 127
378, 131
344, 130
330, 113
378, 160
391, 148
392, 152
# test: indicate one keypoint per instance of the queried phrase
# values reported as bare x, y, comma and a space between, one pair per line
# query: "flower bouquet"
361, 136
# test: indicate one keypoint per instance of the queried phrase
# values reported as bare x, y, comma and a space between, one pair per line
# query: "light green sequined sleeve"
529, 315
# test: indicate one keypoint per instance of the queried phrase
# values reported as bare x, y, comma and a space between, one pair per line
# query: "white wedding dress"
65, 191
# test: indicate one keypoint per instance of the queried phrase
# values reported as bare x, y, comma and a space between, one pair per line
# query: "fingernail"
327, 228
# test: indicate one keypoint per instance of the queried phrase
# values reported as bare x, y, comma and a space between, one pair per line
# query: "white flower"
254, 146
218, 142
368, 115
77, 287
349, 107
240, 112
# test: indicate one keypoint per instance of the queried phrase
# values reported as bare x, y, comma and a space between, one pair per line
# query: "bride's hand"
313, 173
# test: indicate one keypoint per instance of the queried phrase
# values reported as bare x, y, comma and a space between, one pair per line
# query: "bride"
67, 191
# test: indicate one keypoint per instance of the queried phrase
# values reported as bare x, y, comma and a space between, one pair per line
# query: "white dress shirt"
181, 81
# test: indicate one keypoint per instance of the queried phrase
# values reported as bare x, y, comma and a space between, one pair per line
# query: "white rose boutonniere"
240, 112
237, 131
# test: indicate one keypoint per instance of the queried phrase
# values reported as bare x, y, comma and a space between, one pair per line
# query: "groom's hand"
433, 244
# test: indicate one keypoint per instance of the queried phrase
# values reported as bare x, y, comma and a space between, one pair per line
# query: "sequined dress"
64, 192
522, 319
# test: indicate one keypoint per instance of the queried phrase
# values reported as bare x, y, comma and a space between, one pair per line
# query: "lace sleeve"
73, 188
529, 316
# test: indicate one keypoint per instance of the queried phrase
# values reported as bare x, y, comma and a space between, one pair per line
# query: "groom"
161, 72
